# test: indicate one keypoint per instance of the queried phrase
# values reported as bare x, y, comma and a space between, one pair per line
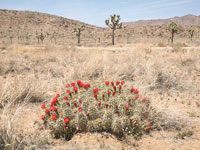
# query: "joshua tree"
173, 28
42, 37
114, 25
78, 31
191, 32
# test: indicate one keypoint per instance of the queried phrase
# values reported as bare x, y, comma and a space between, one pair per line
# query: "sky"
96, 11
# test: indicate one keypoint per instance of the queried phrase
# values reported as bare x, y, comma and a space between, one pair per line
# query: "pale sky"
96, 11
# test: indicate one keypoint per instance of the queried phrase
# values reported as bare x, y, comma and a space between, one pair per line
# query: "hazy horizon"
96, 11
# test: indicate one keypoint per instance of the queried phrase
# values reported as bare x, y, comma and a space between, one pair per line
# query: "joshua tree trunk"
113, 37
79, 39
172, 38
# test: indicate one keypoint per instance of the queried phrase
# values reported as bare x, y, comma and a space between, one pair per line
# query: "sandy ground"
183, 106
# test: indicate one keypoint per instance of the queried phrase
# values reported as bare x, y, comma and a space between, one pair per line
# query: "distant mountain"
184, 20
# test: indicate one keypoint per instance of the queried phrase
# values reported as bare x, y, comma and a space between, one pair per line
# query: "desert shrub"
111, 107
161, 44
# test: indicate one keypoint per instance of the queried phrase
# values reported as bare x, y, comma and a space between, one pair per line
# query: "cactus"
114, 25
173, 28
78, 31
191, 32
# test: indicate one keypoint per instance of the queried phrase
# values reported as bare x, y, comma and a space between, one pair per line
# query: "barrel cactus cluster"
108, 106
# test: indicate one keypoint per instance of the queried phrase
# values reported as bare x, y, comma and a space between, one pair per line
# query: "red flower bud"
58, 95
127, 107
107, 83
68, 85
80, 101
136, 96
75, 104
54, 117
106, 105
149, 128
66, 120
87, 114
122, 82
99, 103
114, 93
75, 89
43, 106
47, 112
72, 84
112, 83
65, 97
68, 103
108, 93
42, 117
144, 100
117, 82
80, 109
95, 95
136, 91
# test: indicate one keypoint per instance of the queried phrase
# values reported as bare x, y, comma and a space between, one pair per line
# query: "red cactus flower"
55, 109
68, 103
144, 100
135, 123
136, 96
73, 84
132, 90
107, 83
88, 85
96, 90
54, 101
114, 93
80, 101
51, 108
136, 91
112, 83
75, 89
149, 128
78, 82
81, 84
114, 87
106, 105
66, 120
108, 93
85, 86
42, 117
99, 103
43, 106
68, 91
95, 95
122, 82
120, 87
103, 96
127, 107
80, 109
54, 117
65, 97
117, 82
68, 85
47, 112
58, 95
88, 114
75, 104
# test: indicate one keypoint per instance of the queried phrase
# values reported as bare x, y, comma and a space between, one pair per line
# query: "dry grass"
30, 74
